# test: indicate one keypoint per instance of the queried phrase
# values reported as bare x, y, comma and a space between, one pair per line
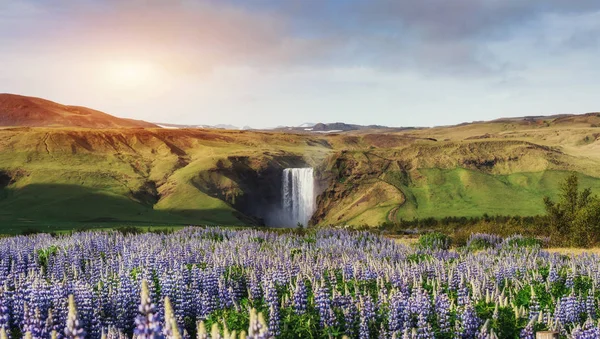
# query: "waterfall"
298, 195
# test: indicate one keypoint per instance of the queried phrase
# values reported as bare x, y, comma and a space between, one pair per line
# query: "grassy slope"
462, 192
458, 177
66, 178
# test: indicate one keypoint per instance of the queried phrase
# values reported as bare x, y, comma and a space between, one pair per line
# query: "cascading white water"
298, 195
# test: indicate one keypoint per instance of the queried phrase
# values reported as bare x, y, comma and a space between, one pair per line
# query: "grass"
573, 251
461, 192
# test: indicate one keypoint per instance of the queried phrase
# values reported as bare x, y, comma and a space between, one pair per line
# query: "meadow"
327, 283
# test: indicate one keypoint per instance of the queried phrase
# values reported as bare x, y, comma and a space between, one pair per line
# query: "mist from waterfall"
298, 196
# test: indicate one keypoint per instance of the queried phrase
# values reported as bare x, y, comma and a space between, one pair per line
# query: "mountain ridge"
23, 111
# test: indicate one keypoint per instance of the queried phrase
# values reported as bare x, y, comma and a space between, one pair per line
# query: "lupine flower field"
220, 283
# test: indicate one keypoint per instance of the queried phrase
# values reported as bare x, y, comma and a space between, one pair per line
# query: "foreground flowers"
219, 283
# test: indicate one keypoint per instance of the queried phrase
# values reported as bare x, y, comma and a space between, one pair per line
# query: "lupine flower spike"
171, 327
201, 331
146, 324
73, 330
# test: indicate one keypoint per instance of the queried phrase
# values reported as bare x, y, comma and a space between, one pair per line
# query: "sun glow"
131, 74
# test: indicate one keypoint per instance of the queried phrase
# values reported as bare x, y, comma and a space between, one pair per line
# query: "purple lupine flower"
463, 295
104, 271
350, 317
126, 304
258, 328
590, 306
4, 313
171, 328
33, 323
51, 326
60, 308
553, 275
398, 305
424, 330
323, 303
179, 299
147, 325
527, 332
534, 306
567, 310
587, 331
363, 326
73, 330
274, 315
84, 297
225, 296
255, 290
569, 283
469, 322
207, 305
300, 299
367, 315
442, 312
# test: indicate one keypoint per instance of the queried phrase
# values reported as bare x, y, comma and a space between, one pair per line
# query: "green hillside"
462, 192
69, 178
61, 178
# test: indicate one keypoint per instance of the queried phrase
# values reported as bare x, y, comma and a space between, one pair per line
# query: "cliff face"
356, 188
250, 185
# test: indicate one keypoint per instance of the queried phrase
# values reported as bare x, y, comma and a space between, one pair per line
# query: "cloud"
429, 35
185, 36
195, 36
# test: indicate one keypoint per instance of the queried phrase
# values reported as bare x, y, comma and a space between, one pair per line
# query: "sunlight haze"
269, 63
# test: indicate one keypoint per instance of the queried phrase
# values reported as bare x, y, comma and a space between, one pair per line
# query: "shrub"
480, 241
521, 241
576, 216
434, 241
125, 230
586, 224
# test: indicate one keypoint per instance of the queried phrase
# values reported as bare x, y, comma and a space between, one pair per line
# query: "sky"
264, 63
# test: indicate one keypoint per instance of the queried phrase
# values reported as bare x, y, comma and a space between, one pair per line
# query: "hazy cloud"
247, 61
434, 35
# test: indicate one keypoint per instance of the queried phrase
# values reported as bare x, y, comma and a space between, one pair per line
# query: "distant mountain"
340, 126
17, 110
587, 119
335, 127
179, 126
306, 127
220, 126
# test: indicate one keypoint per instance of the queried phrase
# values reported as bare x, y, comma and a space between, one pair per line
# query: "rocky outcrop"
353, 184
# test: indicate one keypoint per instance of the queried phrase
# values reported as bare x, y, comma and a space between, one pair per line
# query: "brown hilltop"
17, 110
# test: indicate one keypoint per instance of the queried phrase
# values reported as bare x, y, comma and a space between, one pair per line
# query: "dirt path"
392, 214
